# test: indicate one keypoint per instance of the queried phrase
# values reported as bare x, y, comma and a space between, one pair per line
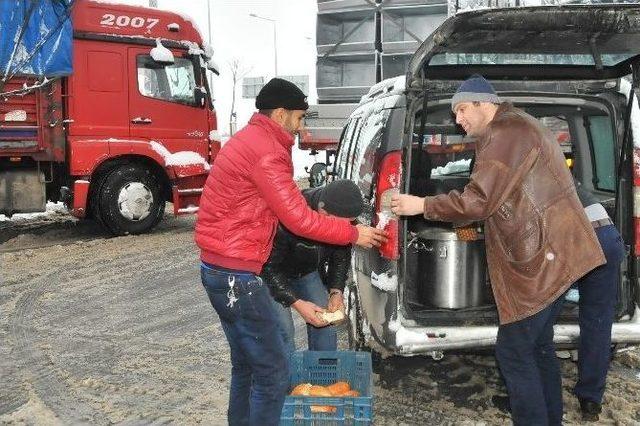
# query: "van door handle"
141, 120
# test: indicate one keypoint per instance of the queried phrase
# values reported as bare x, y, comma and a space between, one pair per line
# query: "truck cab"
132, 126
576, 69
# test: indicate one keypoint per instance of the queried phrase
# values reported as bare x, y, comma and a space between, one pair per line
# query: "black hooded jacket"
293, 257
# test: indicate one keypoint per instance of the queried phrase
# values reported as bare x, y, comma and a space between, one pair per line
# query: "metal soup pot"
451, 272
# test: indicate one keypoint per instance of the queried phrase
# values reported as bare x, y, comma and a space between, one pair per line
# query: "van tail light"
636, 219
636, 202
387, 185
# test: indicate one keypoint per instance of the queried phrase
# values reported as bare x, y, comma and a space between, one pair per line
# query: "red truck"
131, 128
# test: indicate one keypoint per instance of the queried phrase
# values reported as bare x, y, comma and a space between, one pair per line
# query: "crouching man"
309, 276
538, 239
249, 191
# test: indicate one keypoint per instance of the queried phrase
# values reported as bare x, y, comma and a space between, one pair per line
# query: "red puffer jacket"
249, 189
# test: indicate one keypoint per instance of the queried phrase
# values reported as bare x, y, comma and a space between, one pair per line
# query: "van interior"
446, 278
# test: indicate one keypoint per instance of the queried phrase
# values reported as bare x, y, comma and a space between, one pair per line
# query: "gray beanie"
342, 198
475, 89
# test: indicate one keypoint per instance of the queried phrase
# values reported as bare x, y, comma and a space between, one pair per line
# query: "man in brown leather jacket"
538, 239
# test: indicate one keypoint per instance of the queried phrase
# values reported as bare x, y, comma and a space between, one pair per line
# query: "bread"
302, 389
339, 388
319, 391
323, 409
332, 317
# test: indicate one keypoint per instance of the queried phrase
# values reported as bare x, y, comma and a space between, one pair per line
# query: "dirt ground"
97, 330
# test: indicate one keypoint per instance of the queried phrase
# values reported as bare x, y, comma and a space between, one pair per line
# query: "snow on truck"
105, 107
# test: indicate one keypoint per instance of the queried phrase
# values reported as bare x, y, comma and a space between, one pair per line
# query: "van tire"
129, 200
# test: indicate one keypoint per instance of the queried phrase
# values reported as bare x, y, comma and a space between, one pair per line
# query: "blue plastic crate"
325, 368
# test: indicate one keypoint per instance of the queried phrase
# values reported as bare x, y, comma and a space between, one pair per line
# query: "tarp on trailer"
35, 38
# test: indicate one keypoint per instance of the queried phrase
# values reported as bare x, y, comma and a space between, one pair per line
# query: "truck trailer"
129, 127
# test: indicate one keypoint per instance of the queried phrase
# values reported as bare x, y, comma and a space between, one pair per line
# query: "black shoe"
590, 410
501, 402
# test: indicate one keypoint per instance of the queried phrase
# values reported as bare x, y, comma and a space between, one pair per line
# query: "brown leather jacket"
538, 239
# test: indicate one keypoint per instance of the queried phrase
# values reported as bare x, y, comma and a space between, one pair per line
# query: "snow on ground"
52, 209
452, 167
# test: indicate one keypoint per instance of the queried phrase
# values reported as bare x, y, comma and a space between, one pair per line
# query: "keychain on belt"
231, 294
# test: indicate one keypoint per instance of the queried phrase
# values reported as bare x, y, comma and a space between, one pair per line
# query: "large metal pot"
451, 272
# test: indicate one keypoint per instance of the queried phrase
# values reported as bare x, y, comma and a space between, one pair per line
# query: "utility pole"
275, 41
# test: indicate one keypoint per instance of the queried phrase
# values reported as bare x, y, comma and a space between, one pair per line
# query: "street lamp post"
275, 41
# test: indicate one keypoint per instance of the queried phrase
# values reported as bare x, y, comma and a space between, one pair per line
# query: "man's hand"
307, 311
336, 301
370, 237
406, 205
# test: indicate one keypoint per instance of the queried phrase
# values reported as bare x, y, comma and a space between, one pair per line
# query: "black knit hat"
341, 198
279, 93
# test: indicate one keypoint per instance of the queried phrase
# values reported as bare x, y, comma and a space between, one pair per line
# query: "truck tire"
130, 200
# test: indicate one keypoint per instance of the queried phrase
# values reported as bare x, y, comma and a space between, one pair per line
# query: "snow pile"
161, 54
452, 167
50, 210
193, 47
625, 89
182, 158
190, 20
16, 115
383, 219
384, 282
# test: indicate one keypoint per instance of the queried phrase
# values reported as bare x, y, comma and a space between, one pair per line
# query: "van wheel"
129, 200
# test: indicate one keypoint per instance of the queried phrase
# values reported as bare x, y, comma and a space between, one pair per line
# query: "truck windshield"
173, 83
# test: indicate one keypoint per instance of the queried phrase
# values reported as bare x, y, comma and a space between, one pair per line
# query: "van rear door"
554, 43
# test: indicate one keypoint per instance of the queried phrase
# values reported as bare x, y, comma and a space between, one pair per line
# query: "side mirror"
161, 54
200, 96
317, 174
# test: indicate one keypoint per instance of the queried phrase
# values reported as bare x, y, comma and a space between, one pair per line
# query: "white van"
573, 67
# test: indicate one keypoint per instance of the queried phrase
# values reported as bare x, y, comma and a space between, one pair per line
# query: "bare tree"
238, 71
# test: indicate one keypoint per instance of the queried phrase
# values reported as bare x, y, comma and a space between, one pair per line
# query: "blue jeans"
310, 288
527, 359
259, 372
597, 303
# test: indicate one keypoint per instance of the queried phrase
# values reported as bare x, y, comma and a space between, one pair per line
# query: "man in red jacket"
249, 191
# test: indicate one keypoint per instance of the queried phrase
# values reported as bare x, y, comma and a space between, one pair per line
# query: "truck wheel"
130, 200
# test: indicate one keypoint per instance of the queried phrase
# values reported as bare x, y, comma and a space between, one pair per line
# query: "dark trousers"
259, 367
527, 359
598, 296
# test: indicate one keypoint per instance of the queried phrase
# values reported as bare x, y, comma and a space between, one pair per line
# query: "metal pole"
275, 50
209, 20
275, 41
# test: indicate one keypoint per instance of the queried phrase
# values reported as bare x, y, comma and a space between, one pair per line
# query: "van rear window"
603, 153
523, 59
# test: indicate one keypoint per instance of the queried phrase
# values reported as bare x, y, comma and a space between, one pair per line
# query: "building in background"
362, 42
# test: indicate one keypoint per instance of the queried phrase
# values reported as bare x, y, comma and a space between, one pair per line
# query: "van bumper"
414, 340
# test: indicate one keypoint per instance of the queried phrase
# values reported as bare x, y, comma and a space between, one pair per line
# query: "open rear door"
547, 44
